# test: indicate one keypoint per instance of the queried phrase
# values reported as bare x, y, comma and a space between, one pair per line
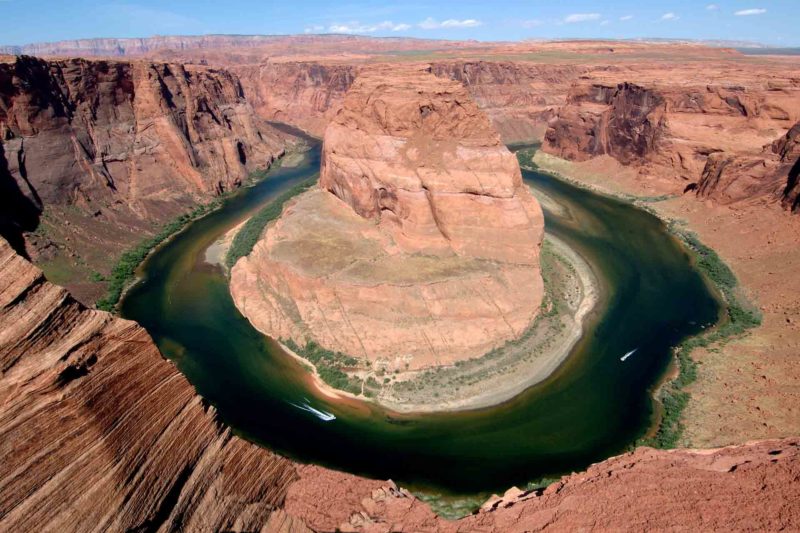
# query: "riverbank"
123, 273
747, 386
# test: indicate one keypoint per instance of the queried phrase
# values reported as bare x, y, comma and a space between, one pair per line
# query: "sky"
772, 22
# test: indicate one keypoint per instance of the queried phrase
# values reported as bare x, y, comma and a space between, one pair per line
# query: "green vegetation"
739, 318
125, 269
247, 237
329, 365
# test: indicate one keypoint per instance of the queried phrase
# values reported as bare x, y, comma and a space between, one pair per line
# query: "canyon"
421, 247
99, 152
116, 438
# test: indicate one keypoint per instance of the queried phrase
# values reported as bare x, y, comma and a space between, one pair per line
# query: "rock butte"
99, 433
421, 246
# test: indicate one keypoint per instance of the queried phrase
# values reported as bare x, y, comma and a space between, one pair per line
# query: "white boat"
322, 415
628, 354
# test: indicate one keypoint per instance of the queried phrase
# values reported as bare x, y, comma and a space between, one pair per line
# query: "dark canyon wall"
97, 154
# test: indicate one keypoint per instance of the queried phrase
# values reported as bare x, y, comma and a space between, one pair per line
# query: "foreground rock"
96, 154
422, 246
99, 433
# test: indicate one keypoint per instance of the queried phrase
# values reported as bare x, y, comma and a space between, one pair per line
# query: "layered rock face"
625, 122
422, 247
729, 178
113, 149
99, 433
416, 154
305, 94
706, 138
520, 98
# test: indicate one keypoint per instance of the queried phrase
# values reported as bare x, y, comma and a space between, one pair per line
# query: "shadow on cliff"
18, 213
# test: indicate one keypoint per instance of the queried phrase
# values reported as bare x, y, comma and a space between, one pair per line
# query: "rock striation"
306, 94
110, 150
716, 139
99, 433
772, 172
421, 246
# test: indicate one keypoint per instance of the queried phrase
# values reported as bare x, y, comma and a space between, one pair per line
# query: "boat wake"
325, 416
628, 354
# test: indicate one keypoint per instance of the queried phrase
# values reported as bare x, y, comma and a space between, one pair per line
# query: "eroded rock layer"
110, 150
711, 132
99, 433
422, 246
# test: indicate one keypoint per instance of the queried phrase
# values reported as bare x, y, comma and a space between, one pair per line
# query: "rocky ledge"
421, 246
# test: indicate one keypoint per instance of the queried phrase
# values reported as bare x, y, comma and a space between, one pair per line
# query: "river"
593, 406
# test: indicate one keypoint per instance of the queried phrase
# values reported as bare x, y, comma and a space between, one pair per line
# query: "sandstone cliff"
771, 174
99, 433
427, 250
106, 151
304, 94
519, 98
689, 136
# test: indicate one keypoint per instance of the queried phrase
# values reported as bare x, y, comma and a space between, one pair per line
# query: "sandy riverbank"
749, 387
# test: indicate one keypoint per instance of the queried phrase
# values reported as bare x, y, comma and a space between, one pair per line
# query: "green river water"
592, 407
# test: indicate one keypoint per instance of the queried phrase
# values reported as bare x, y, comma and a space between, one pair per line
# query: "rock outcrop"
519, 97
625, 121
99, 433
305, 94
110, 150
422, 246
770, 175
688, 136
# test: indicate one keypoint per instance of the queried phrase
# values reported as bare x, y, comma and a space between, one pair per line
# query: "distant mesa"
421, 244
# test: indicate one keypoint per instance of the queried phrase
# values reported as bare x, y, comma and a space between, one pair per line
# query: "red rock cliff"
113, 149
691, 135
99, 433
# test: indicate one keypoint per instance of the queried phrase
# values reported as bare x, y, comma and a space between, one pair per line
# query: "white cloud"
605, 22
356, 27
745, 12
669, 16
712, 7
433, 24
581, 17
314, 28
626, 17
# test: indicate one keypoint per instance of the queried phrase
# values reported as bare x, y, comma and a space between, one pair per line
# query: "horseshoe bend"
419, 248
349, 283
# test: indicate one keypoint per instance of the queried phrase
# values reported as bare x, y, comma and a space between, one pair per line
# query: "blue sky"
772, 22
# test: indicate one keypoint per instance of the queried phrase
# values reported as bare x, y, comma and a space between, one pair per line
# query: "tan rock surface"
427, 250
